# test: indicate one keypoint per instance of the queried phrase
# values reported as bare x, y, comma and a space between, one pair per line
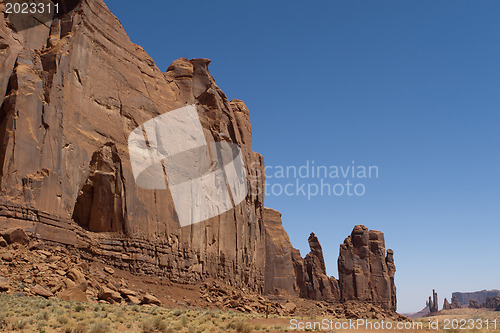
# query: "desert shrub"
239, 326
20, 324
44, 315
79, 308
184, 320
80, 328
155, 324
63, 319
3, 320
99, 327
177, 312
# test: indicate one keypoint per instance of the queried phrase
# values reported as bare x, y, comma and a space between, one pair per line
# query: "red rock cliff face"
71, 91
365, 272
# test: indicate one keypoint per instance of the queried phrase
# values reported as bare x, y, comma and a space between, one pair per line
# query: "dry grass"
34, 314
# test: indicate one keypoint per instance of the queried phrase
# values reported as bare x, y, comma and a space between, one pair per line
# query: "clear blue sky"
410, 86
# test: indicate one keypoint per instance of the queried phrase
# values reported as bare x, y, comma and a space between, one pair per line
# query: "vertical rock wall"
71, 91
366, 273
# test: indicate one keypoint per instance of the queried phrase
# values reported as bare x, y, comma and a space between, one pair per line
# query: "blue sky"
412, 87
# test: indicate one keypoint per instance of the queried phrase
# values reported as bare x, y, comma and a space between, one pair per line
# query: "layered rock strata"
71, 91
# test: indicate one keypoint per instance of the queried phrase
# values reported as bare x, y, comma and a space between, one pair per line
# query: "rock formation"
366, 272
71, 92
280, 277
473, 304
455, 303
433, 302
311, 275
479, 296
446, 305
287, 273
492, 302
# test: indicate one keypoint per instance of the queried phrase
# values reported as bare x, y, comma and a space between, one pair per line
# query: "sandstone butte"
71, 91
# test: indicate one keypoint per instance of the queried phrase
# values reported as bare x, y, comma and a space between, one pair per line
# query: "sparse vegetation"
33, 314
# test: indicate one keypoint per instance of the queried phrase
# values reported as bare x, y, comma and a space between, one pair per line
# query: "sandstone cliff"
71, 92
366, 272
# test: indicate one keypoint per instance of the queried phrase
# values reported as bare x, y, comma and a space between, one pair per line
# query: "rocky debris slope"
37, 269
40, 269
224, 297
366, 270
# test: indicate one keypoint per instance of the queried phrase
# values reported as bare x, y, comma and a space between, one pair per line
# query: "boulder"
76, 276
15, 235
73, 294
109, 270
109, 295
125, 291
41, 291
4, 284
8, 257
132, 299
290, 307
150, 299
3, 242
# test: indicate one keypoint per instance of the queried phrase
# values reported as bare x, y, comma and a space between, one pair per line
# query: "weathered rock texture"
366, 271
280, 277
71, 91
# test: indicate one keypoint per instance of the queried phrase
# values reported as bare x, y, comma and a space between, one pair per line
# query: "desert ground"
37, 314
